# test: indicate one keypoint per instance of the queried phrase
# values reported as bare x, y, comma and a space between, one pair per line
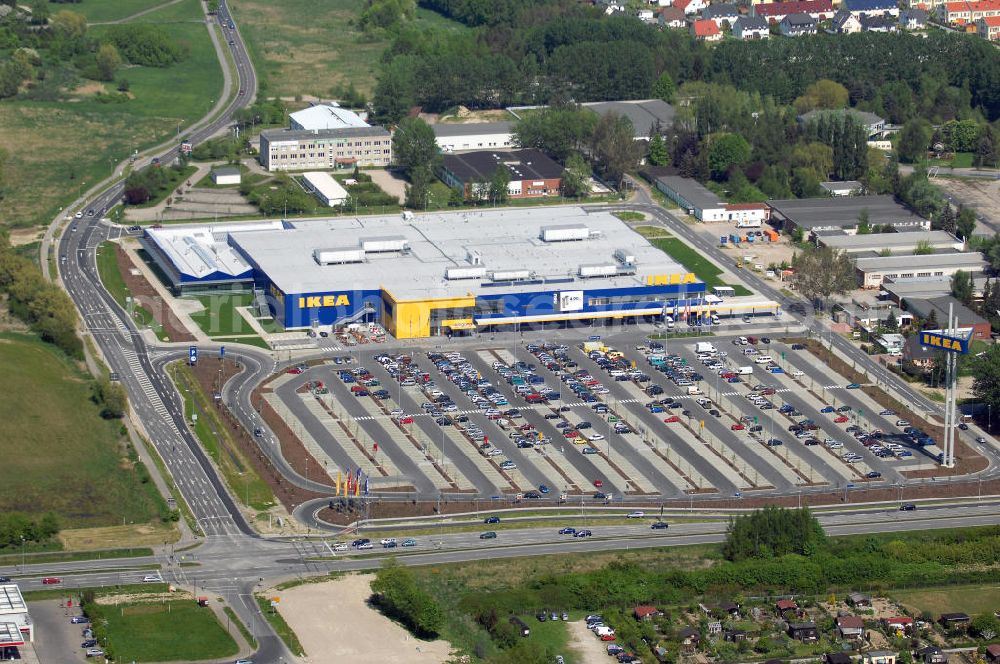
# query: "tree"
414, 145
39, 11
966, 223
960, 135
932, 322
418, 191
823, 94
108, 61
986, 377
576, 177
772, 532
386, 14
498, 191
397, 594
658, 155
614, 147
69, 25
111, 398
962, 286
864, 222
945, 221
986, 149
558, 131
891, 323
726, 150
395, 91
913, 141
664, 88
822, 272
985, 626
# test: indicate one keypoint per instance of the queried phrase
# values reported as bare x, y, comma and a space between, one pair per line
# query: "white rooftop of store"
325, 116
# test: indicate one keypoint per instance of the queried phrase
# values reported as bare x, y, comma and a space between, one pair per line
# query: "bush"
145, 44
398, 595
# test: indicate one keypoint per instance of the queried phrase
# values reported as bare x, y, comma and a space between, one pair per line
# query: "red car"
294, 370
607, 637
406, 420
598, 483
727, 375
672, 418
841, 419
49, 580
572, 433
737, 427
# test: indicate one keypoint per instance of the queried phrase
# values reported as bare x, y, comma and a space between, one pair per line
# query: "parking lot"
726, 414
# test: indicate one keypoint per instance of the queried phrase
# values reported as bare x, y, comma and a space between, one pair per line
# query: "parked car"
907, 507
79, 620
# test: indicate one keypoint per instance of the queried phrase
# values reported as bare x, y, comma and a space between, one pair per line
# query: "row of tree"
772, 532
395, 592
39, 303
17, 529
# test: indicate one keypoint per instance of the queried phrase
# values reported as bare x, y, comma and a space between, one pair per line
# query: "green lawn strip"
631, 216
220, 317
188, 10
133, 589
73, 556
652, 231
243, 481
97, 11
251, 341
174, 179
973, 600
703, 268
550, 636
234, 620
279, 625
114, 283
177, 630
78, 465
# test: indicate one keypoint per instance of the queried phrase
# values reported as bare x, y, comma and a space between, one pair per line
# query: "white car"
151, 578
595, 436
388, 540
635, 515
797, 373
341, 546
366, 545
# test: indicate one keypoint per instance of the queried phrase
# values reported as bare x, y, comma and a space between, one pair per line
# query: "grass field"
551, 635
77, 465
703, 268
220, 318
967, 599
99, 11
111, 277
169, 632
300, 50
38, 135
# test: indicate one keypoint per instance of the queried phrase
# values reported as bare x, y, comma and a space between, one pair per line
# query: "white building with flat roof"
325, 116
325, 188
14, 611
458, 137
872, 271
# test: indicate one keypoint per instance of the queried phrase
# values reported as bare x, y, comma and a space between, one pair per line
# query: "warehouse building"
16, 625
704, 205
226, 175
897, 243
927, 288
321, 185
645, 114
966, 317
846, 188
454, 273
532, 173
325, 116
841, 214
317, 149
458, 137
873, 271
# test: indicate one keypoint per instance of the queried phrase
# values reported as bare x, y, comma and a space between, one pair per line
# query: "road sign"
192, 354
222, 352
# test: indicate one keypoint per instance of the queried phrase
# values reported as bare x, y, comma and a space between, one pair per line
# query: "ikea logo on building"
938, 340
277, 294
670, 279
316, 301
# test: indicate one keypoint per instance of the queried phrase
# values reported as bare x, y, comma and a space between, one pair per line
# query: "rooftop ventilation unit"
387, 243
509, 275
455, 273
600, 270
338, 256
565, 233
624, 256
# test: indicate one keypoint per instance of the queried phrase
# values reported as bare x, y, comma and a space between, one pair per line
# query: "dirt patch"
88, 89
114, 537
585, 646
335, 624
149, 299
22, 236
9, 323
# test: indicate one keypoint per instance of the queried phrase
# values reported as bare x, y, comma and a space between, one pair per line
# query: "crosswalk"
152, 396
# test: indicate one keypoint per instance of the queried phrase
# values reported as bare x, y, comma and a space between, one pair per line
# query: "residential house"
661, 654
861, 8
902, 625
671, 17
646, 612
690, 637
731, 608
647, 15
850, 627
913, 19
734, 635
804, 631
721, 13
748, 28
704, 29
963, 13
691, 7
859, 600
837, 658
714, 627
878, 24
955, 621
879, 657
988, 27
930, 655
775, 12
924, 357
845, 23
796, 25
993, 653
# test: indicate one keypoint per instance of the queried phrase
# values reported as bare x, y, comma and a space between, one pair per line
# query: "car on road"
50, 580
907, 507
600, 495
873, 475
366, 545
79, 620
358, 542
567, 531
635, 515
489, 534
583, 533
840, 419
737, 427
981, 440
854, 386
340, 546
491, 519
543, 488
152, 578
963, 426
659, 525
89, 643
243, 661
598, 483
4, 579
409, 541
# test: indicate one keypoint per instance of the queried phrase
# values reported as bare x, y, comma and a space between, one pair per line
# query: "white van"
762, 359
744, 371
715, 319
693, 390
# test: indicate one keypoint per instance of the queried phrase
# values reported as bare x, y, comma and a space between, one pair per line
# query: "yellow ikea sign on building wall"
671, 279
316, 301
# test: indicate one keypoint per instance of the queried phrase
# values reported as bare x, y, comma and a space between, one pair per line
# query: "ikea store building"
435, 274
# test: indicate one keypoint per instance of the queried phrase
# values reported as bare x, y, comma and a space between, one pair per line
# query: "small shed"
804, 631
930, 655
993, 653
837, 658
222, 175
783, 605
954, 620
859, 600
645, 612
850, 627
879, 657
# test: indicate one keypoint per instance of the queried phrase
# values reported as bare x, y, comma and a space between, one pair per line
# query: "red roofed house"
901, 624
671, 17
988, 27
705, 29
962, 13
774, 12
850, 627
690, 6
645, 612
783, 605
